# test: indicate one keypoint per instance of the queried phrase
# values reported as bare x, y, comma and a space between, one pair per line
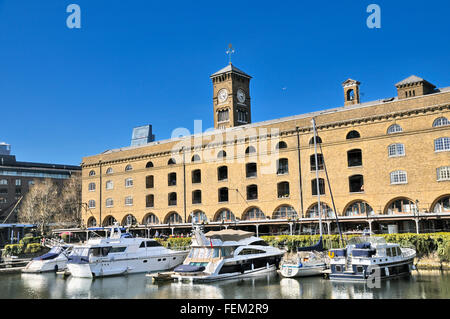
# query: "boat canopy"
316, 247
366, 239
229, 235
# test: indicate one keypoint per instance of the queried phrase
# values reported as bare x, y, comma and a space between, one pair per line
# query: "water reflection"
424, 284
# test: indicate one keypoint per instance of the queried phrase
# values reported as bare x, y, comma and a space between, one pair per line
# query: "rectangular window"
443, 173
129, 182
129, 201
222, 116
399, 177
18, 182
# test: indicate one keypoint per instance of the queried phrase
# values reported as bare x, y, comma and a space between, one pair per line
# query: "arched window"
282, 166
129, 220
356, 183
318, 140
171, 161
442, 144
92, 222
109, 202
359, 208
109, 185
252, 192
223, 194
353, 134
283, 189
222, 154
321, 186
442, 205
225, 215
92, 173
91, 203
195, 158
399, 177
151, 219
198, 217
197, 197
173, 218
394, 128
149, 164
284, 212
350, 95
313, 211
128, 168
441, 121
109, 221
109, 170
250, 150
253, 213
395, 150
91, 187
150, 201
401, 205
172, 199
281, 145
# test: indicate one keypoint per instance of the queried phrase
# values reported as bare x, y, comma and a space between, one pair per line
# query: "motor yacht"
367, 255
54, 260
120, 254
226, 254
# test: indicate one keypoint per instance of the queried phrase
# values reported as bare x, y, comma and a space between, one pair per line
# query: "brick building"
388, 163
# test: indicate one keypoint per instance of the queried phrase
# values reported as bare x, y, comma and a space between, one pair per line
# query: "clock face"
241, 96
222, 95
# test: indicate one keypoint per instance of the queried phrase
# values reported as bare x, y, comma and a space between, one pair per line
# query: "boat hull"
292, 271
38, 266
126, 266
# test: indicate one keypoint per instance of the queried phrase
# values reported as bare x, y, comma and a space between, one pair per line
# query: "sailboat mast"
317, 177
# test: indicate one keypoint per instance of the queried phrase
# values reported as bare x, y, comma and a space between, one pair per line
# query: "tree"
49, 203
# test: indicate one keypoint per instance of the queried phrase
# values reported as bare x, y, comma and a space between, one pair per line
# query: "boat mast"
317, 177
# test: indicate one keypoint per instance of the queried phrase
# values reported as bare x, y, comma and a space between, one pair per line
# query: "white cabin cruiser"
365, 255
226, 254
121, 254
54, 260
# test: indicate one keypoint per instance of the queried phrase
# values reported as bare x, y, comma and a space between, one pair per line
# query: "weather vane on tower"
230, 51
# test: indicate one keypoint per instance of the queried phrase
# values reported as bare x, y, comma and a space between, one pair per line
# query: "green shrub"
13, 249
175, 243
33, 248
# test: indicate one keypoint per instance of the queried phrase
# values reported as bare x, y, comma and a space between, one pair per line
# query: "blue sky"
68, 93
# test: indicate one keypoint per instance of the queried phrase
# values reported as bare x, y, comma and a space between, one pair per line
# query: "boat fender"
331, 254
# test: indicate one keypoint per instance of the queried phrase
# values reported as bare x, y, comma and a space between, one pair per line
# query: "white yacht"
310, 261
226, 254
54, 260
364, 255
121, 254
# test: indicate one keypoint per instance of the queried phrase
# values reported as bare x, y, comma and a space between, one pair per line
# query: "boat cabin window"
227, 251
100, 251
259, 243
388, 252
251, 251
153, 243
360, 269
81, 251
117, 249
338, 268
399, 251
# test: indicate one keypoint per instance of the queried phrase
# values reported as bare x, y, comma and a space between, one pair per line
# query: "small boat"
310, 261
121, 254
54, 260
367, 256
226, 254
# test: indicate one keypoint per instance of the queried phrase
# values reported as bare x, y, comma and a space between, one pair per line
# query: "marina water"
429, 284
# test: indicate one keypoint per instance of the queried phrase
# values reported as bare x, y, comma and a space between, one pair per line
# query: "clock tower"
231, 97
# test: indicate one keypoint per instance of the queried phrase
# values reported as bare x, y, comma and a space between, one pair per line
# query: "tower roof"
413, 79
231, 68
